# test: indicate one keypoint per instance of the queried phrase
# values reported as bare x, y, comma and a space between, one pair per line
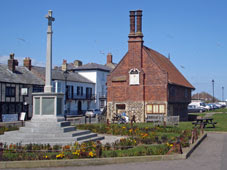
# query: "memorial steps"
48, 131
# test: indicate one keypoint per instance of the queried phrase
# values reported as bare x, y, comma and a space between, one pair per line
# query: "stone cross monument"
48, 78
48, 103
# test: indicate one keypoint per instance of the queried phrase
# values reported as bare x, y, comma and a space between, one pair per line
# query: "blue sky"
194, 32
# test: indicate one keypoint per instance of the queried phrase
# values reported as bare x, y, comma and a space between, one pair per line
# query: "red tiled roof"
174, 75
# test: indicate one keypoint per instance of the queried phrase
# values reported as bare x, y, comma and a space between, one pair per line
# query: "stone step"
65, 123
43, 125
97, 138
47, 129
45, 135
80, 132
86, 136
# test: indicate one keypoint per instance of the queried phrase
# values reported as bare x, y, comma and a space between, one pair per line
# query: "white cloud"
4, 60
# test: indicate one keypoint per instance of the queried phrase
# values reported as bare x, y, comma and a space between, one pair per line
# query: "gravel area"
110, 138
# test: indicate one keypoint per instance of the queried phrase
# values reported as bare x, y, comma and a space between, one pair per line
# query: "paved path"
211, 155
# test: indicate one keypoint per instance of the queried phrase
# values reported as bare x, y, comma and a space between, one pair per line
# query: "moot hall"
146, 82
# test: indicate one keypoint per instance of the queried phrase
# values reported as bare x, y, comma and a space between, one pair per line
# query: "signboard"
22, 116
24, 91
9, 117
134, 78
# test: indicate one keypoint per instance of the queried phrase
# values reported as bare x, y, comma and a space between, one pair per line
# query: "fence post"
1, 151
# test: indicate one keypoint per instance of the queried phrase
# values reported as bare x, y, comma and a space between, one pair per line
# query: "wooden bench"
155, 118
204, 122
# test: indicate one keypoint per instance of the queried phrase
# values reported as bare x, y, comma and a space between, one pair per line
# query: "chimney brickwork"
12, 63
109, 58
64, 65
28, 63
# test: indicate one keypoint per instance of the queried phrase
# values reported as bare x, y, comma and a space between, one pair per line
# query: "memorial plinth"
48, 104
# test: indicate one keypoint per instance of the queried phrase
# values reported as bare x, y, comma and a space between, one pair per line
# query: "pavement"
210, 155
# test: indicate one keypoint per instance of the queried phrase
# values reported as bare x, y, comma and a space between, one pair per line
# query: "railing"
102, 95
76, 96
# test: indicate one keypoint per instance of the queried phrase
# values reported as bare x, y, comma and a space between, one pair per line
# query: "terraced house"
146, 82
17, 83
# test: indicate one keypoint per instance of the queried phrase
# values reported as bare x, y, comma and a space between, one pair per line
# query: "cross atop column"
48, 76
50, 18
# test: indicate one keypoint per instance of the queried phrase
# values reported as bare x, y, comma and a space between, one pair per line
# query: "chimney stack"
28, 63
64, 65
109, 58
12, 63
139, 23
77, 63
132, 23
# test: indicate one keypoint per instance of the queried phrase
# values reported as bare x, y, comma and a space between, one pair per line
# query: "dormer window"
134, 77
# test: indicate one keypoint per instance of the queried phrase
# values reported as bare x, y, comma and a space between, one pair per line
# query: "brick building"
146, 82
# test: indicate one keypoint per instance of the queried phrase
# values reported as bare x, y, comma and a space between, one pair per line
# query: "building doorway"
120, 108
79, 107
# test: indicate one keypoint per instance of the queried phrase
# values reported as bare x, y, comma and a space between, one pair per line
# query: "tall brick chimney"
132, 23
28, 63
139, 23
109, 58
12, 63
64, 65
135, 42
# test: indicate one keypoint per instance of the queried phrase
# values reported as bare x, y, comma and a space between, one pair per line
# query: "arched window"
134, 76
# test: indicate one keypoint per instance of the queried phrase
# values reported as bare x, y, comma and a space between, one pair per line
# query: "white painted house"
97, 74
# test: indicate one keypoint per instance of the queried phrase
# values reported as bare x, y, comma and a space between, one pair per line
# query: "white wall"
100, 78
72, 105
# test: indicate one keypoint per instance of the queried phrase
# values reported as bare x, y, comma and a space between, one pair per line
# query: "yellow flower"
123, 127
171, 145
77, 153
61, 155
91, 154
130, 130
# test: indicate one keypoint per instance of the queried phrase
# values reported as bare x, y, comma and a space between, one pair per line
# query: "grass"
221, 119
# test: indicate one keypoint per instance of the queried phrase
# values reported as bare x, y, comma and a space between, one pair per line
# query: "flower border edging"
99, 161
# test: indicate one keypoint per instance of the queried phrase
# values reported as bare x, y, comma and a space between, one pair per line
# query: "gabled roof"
59, 75
22, 75
93, 66
174, 75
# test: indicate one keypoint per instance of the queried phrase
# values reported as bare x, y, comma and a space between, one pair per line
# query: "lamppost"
66, 91
222, 93
213, 89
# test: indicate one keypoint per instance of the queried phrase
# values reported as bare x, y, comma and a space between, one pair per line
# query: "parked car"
200, 105
195, 109
92, 113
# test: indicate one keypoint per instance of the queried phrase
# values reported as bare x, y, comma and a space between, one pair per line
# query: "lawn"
220, 117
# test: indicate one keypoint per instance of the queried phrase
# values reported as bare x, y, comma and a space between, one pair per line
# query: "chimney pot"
11, 56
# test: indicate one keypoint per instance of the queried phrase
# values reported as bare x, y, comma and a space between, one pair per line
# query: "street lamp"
65, 73
213, 89
222, 93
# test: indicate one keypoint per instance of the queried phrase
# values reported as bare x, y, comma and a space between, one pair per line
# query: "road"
211, 155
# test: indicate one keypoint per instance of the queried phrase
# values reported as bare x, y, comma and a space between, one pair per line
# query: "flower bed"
143, 133
141, 140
